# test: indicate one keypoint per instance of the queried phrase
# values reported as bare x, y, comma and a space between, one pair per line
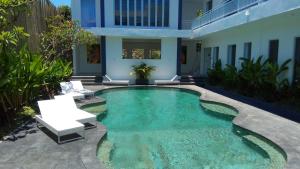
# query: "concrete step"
89, 79
192, 80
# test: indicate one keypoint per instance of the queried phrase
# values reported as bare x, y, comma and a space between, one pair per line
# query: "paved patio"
38, 150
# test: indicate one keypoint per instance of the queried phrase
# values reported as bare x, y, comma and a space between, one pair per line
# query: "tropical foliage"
142, 71
256, 77
65, 11
25, 77
216, 75
61, 36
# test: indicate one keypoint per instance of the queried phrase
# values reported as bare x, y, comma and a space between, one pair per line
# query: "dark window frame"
247, 50
231, 55
117, 12
296, 78
273, 50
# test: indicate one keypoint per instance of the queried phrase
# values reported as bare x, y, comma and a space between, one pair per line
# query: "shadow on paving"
280, 110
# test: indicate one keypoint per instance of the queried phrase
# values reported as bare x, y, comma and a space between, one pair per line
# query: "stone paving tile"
39, 151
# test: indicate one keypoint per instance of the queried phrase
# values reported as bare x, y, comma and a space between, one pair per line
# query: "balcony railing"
226, 9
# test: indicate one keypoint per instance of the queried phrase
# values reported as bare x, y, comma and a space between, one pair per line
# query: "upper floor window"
117, 12
88, 13
147, 13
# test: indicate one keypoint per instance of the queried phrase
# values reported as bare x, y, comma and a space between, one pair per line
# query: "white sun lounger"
53, 120
173, 81
67, 89
70, 110
108, 81
78, 87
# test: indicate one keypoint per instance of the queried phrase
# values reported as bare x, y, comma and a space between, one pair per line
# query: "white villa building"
169, 35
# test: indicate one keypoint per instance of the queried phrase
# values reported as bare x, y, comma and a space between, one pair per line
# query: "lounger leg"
58, 140
38, 124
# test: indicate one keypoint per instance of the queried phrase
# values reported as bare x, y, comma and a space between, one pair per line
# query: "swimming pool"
167, 128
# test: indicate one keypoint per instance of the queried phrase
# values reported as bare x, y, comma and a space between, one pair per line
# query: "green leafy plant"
273, 84
231, 78
251, 75
64, 11
25, 77
142, 71
216, 75
199, 13
62, 36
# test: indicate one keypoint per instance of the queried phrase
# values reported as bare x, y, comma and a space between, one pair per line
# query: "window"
141, 49
231, 55
166, 13
117, 12
138, 13
88, 13
247, 50
154, 13
131, 12
297, 61
124, 12
209, 5
93, 54
183, 56
159, 13
273, 51
215, 55
146, 10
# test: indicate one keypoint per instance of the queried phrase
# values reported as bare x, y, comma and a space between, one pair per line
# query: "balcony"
224, 10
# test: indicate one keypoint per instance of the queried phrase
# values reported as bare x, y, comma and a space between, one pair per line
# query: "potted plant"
142, 73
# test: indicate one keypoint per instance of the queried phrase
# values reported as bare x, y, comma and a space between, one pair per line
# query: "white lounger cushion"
78, 87
108, 80
70, 110
61, 127
174, 80
52, 119
67, 89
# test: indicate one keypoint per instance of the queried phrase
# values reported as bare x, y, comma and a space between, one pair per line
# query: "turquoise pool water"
167, 128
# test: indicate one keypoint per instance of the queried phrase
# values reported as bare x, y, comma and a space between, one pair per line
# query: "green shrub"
251, 75
216, 75
231, 77
28, 76
27, 111
255, 78
273, 84
142, 71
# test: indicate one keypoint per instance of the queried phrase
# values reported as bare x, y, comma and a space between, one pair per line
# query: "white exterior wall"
118, 68
283, 27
